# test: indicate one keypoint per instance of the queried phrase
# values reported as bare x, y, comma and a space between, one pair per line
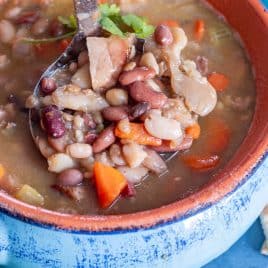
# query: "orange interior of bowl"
250, 20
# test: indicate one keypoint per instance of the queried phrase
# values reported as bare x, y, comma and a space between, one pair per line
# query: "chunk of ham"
107, 56
200, 97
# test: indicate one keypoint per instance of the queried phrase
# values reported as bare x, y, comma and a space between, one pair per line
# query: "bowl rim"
195, 203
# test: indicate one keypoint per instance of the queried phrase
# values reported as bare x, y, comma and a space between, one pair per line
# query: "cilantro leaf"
70, 22
107, 10
108, 25
139, 25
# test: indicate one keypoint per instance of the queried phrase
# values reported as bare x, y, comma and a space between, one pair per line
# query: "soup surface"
217, 51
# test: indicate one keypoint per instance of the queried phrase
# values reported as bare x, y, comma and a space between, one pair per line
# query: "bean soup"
159, 78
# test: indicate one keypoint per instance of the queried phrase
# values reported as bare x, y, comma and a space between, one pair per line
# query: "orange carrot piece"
201, 163
138, 134
109, 183
170, 23
102, 1
193, 131
2, 171
199, 30
219, 81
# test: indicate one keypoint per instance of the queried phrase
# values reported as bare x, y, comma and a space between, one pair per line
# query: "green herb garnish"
113, 22
139, 25
70, 22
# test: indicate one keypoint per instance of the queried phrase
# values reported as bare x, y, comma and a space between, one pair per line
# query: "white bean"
60, 162
82, 77
117, 97
163, 128
134, 154
7, 31
148, 60
116, 155
79, 150
134, 175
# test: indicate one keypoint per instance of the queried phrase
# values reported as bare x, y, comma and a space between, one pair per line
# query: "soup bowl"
187, 233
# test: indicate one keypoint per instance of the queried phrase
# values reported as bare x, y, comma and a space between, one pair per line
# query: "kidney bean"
139, 109
56, 28
104, 140
115, 113
90, 137
48, 85
89, 121
28, 17
70, 177
141, 92
202, 65
137, 74
129, 191
52, 121
163, 35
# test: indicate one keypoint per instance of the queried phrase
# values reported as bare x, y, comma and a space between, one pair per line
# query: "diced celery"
29, 195
219, 33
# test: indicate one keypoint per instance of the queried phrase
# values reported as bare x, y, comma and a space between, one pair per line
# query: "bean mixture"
177, 81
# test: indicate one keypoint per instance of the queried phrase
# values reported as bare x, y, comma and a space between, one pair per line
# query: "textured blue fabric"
245, 253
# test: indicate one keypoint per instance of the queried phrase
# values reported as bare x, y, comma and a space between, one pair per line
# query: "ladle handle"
87, 16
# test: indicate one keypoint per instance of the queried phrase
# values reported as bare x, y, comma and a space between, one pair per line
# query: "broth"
25, 165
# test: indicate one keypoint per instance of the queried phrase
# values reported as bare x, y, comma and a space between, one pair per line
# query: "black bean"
52, 121
139, 109
48, 85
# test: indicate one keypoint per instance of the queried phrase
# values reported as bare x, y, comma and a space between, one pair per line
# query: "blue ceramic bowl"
188, 233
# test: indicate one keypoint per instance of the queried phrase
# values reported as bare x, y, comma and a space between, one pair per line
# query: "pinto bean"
117, 97
116, 155
137, 74
141, 92
163, 35
105, 139
70, 177
115, 113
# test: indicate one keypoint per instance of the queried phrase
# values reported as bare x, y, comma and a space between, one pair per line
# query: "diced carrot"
170, 23
219, 81
199, 29
217, 135
193, 131
102, 1
201, 163
138, 134
2, 171
109, 183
